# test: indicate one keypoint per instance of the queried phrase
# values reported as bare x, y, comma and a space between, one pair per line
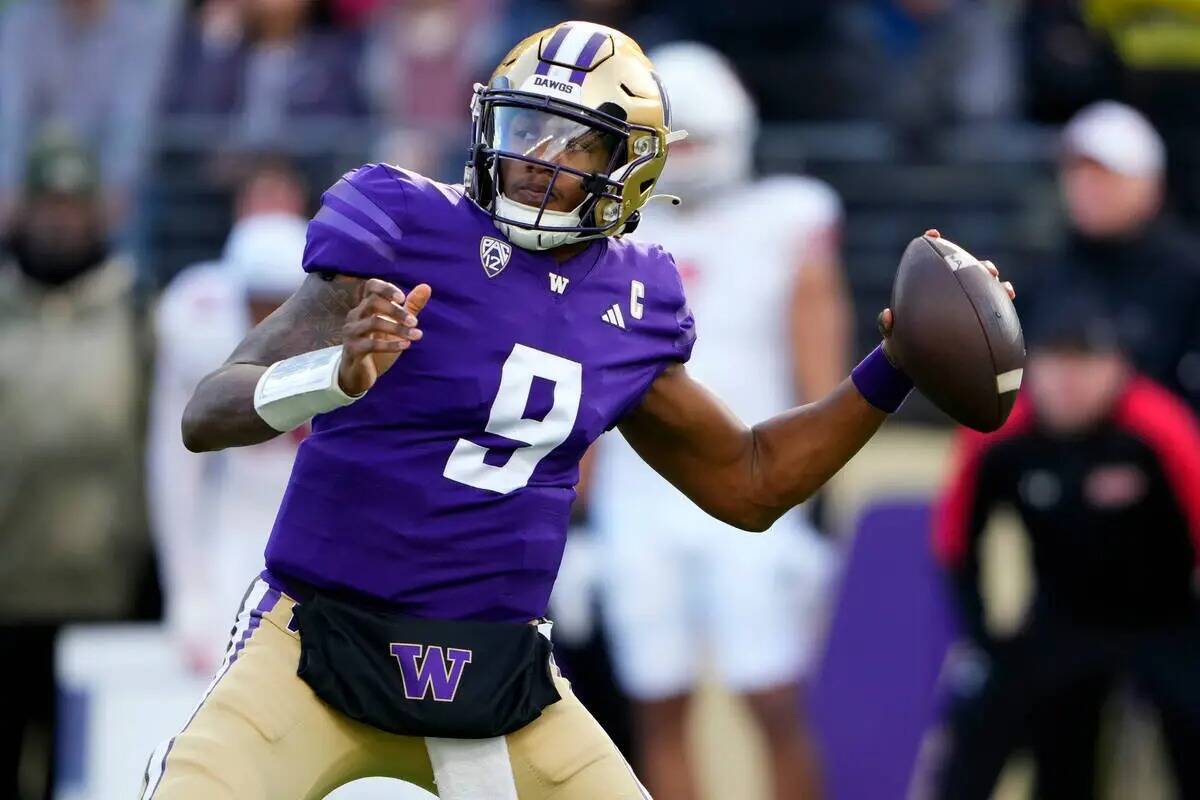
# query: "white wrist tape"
294, 390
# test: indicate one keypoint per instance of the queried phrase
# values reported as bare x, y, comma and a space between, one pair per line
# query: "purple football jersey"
445, 491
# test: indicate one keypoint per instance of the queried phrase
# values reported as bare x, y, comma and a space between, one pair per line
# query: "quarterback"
457, 348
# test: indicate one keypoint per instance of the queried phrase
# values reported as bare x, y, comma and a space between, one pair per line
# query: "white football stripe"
1009, 381
557, 73
573, 44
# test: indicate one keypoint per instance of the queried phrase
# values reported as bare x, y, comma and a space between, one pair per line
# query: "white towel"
472, 769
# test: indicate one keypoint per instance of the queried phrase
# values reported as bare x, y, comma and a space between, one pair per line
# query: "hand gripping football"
956, 334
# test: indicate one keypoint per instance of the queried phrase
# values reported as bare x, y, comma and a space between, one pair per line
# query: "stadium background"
919, 113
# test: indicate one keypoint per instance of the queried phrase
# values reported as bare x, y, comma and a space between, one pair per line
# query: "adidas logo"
613, 316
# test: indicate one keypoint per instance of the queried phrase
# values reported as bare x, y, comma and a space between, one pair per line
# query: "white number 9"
466, 464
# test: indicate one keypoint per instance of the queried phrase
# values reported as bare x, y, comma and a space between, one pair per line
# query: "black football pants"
1046, 691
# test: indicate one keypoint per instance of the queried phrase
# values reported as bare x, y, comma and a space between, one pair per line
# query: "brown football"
956, 333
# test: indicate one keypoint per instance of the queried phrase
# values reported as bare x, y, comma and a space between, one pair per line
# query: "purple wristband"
881, 384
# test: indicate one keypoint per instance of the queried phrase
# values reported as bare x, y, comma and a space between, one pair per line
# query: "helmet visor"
546, 159
545, 136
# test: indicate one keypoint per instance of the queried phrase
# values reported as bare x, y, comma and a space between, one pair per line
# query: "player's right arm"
373, 321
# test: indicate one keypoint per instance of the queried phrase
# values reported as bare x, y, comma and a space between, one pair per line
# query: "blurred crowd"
134, 131
258, 75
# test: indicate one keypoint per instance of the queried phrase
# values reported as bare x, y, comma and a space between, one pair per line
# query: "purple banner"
874, 693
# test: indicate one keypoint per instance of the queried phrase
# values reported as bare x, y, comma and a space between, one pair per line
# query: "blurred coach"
1103, 468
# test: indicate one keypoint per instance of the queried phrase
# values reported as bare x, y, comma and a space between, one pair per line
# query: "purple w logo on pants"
425, 667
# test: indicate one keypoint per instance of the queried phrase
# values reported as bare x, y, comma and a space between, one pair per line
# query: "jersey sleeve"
664, 319
685, 323
360, 225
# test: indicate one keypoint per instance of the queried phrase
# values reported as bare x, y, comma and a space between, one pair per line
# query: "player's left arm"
746, 476
749, 476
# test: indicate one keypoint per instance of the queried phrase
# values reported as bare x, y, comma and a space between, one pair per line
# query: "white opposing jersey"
738, 254
212, 512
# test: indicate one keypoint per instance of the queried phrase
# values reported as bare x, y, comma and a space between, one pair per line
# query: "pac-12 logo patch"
494, 255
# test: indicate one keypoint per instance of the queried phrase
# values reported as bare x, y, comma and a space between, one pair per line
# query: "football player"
395, 631
212, 513
682, 586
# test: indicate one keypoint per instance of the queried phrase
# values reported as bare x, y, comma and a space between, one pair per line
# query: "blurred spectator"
212, 512
1103, 468
682, 585
74, 542
270, 185
649, 23
1124, 249
267, 64
908, 61
1144, 53
354, 13
1158, 44
920, 63
1067, 63
424, 57
780, 50
90, 68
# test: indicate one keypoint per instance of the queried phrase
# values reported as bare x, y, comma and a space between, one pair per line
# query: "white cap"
263, 253
1117, 137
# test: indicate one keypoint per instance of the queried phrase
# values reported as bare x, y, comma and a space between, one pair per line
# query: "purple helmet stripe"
586, 55
551, 49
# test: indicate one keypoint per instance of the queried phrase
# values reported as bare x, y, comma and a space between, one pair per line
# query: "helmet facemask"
531, 152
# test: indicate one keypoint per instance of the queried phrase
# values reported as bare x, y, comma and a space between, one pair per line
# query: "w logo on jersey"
425, 669
494, 255
558, 284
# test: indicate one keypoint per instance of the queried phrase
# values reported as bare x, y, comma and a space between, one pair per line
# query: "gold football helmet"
577, 103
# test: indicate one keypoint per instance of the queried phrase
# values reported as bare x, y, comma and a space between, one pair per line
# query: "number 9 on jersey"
507, 418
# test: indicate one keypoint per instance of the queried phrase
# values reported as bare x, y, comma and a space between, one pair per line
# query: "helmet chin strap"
544, 238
